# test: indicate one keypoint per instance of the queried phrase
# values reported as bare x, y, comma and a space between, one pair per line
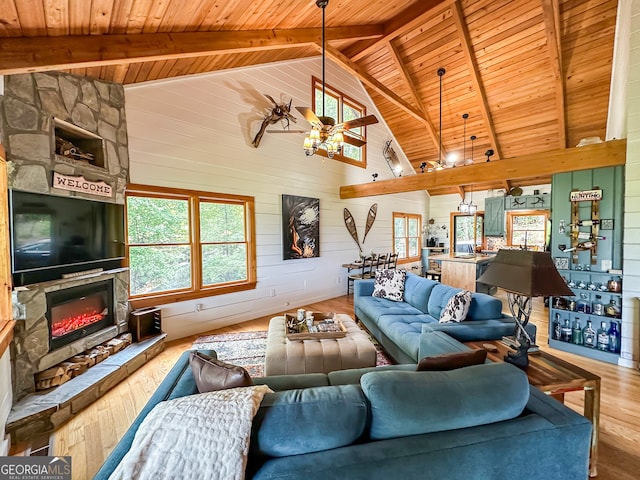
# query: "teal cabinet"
494, 216
528, 202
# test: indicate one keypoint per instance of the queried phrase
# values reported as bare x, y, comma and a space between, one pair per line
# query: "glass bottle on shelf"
557, 329
576, 332
582, 304
565, 332
614, 337
602, 337
597, 307
612, 309
589, 336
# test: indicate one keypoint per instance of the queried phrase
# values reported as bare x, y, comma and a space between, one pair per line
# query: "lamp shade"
526, 273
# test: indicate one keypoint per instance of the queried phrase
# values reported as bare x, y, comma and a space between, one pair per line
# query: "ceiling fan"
325, 132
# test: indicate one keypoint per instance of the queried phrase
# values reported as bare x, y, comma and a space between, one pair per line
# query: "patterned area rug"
248, 349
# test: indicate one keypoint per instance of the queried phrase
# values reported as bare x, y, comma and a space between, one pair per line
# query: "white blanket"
194, 437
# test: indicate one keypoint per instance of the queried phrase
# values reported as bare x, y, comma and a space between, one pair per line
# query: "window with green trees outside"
184, 244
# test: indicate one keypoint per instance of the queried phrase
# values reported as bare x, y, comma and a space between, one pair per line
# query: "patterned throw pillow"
457, 307
389, 284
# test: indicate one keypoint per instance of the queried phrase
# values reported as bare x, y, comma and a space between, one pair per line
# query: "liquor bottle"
576, 332
612, 309
557, 328
614, 338
565, 332
589, 336
597, 308
602, 337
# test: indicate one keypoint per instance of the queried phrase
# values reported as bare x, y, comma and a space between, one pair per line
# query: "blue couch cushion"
374, 307
413, 403
440, 295
404, 331
484, 307
417, 291
294, 422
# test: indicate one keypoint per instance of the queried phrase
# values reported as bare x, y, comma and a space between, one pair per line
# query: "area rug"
247, 349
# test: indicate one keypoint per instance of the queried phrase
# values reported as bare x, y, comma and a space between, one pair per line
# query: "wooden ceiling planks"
502, 67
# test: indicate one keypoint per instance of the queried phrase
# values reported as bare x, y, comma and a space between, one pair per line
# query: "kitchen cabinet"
494, 216
528, 202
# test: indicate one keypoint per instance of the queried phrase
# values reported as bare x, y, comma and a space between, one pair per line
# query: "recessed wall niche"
77, 144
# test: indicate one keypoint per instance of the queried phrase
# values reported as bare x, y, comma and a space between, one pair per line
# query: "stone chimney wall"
29, 106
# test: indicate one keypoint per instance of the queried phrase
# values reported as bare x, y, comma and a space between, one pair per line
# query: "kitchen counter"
478, 258
462, 271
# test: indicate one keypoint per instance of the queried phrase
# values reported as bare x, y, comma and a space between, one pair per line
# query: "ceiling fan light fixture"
452, 158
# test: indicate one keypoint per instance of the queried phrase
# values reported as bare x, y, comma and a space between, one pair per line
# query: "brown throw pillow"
212, 374
451, 361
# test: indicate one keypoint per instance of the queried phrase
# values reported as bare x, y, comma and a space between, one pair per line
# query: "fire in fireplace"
79, 311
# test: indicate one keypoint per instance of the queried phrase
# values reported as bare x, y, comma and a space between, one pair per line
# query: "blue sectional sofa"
399, 326
479, 422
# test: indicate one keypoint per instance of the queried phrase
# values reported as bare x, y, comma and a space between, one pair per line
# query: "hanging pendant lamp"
440, 164
472, 208
464, 207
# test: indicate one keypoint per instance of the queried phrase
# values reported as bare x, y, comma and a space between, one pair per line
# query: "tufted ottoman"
285, 356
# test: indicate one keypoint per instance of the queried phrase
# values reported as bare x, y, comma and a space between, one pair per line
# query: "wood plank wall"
196, 133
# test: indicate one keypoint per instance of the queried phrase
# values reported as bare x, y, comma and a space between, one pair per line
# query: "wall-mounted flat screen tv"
52, 236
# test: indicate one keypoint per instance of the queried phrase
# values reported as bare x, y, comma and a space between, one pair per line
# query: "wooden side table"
556, 377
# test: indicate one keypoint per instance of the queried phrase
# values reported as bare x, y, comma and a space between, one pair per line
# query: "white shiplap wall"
631, 247
196, 132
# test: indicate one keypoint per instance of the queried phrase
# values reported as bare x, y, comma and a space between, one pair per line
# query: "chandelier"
322, 137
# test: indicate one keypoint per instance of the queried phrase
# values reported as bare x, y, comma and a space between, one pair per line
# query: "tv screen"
53, 235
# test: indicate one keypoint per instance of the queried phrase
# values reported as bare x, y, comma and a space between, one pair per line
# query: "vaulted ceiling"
533, 75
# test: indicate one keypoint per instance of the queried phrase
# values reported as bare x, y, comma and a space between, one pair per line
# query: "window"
184, 244
406, 236
528, 228
341, 108
468, 233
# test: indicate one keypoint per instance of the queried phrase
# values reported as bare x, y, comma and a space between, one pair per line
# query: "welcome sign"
81, 184
586, 195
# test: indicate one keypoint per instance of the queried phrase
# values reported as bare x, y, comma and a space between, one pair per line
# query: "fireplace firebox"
75, 312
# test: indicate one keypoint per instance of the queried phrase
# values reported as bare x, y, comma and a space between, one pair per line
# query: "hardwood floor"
90, 436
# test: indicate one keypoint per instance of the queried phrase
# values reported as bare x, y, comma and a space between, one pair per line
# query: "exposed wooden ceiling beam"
407, 20
343, 61
605, 154
461, 192
474, 75
37, 54
551, 14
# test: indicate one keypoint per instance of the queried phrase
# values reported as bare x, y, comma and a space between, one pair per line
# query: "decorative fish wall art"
350, 223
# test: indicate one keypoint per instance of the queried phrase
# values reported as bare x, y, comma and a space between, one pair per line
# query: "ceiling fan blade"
360, 122
309, 116
355, 141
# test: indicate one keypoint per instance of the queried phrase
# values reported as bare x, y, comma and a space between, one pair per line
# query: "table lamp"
524, 274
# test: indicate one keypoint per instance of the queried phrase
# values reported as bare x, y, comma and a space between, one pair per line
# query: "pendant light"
440, 164
464, 207
472, 208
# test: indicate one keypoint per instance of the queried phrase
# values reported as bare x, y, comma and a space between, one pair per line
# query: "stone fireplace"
36, 347
66, 136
